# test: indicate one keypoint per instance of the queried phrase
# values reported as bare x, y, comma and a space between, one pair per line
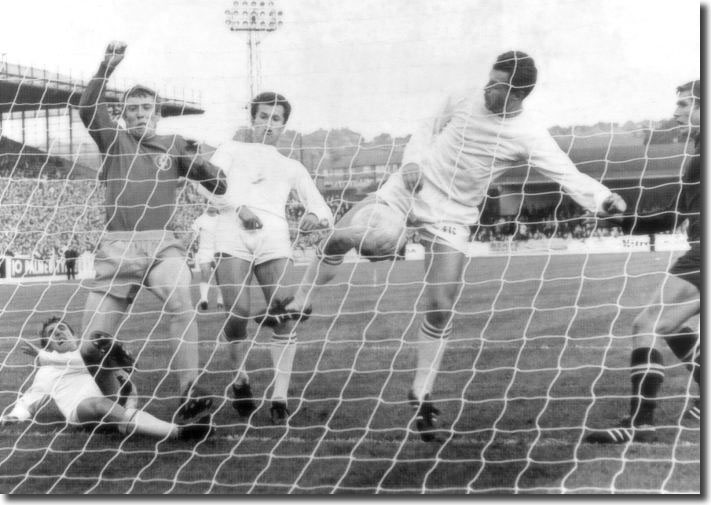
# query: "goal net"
543, 316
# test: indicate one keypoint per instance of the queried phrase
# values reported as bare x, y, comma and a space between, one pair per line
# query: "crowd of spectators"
20, 161
10, 166
538, 223
41, 217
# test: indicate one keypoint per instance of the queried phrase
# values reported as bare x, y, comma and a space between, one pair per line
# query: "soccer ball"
380, 232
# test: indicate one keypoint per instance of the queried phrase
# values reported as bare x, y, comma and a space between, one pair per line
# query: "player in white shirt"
252, 238
204, 227
447, 168
62, 376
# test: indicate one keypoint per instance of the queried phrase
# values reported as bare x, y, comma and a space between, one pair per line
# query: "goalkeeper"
62, 376
448, 166
142, 174
677, 300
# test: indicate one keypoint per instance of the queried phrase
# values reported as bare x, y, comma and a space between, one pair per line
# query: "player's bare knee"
93, 409
645, 331
666, 326
178, 304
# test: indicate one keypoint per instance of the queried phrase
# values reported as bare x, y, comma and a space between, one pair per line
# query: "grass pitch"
540, 350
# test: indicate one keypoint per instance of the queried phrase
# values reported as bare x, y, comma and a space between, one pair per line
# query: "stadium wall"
21, 269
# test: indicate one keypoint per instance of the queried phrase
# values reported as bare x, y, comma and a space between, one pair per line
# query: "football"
382, 231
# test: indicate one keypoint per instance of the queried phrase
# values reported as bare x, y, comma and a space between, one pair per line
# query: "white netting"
542, 329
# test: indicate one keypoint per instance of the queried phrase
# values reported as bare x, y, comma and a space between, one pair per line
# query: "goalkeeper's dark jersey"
141, 177
690, 199
685, 204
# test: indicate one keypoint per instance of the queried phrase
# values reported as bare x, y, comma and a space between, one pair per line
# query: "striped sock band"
283, 339
431, 331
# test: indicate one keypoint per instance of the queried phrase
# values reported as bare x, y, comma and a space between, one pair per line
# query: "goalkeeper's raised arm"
92, 107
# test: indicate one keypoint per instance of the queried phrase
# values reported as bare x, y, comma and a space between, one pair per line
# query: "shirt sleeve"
547, 157
194, 166
309, 194
95, 114
426, 131
227, 158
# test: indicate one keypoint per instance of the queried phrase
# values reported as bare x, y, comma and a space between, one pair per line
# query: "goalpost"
538, 356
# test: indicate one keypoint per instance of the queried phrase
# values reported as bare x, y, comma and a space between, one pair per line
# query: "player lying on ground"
143, 173
447, 168
676, 301
252, 238
62, 376
204, 227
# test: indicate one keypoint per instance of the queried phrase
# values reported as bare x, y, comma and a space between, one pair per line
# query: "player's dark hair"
270, 98
44, 338
521, 68
141, 90
694, 88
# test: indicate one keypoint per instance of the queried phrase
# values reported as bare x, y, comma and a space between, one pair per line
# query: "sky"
370, 65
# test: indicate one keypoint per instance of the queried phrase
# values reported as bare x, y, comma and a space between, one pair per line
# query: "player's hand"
30, 349
115, 52
412, 177
613, 204
249, 219
311, 222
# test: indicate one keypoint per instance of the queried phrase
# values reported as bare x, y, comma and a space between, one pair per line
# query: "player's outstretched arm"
548, 158
92, 107
318, 214
30, 349
194, 167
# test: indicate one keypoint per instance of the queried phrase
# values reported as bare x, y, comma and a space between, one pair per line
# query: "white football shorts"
206, 247
73, 389
395, 194
257, 246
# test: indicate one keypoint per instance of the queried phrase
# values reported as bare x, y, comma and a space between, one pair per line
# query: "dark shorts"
124, 260
688, 266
